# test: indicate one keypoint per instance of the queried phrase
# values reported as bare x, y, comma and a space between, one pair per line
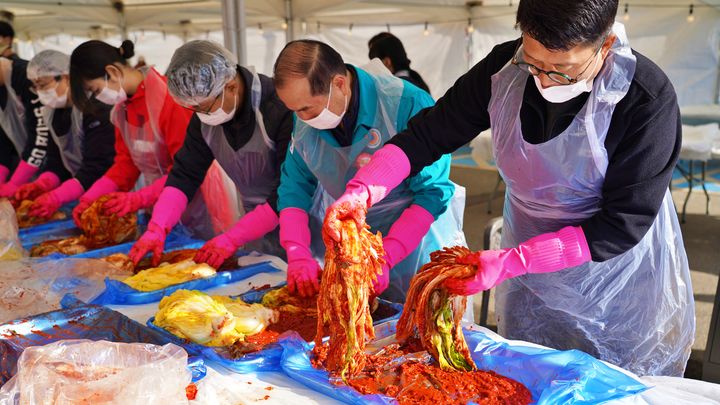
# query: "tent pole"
290, 30
228, 25
241, 36
122, 22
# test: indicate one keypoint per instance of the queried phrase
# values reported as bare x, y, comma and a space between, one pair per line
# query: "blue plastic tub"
267, 359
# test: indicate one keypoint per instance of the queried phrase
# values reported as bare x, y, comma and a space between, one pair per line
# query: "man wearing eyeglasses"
586, 133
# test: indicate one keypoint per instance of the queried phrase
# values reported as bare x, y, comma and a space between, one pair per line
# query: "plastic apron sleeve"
252, 168
146, 142
634, 310
334, 166
12, 115
70, 143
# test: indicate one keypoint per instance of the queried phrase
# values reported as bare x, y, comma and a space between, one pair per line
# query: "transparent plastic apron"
334, 166
634, 310
12, 116
252, 168
148, 150
70, 143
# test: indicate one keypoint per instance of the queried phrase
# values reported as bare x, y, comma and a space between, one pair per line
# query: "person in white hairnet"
81, 146
240, 122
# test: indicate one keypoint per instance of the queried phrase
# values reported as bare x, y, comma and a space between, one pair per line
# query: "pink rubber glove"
101, 187
48, 203
253, 225
23, 174
44, 183
388, 167
4, 171
303, 270
167, 212
544, 253
122, 204
402, 239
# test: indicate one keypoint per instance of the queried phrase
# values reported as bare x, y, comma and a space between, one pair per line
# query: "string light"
318, 27
470, 28
285, 24
388, 27
626, 16
691, 14
426, 32
260, 28
350, 27
303, 25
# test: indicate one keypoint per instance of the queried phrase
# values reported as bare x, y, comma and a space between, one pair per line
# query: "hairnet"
48, 63
199, 70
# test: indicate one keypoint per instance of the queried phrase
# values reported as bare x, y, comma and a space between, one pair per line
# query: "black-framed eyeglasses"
557, 77
207, 111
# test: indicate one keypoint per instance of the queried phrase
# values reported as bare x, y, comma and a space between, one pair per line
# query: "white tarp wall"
687, 51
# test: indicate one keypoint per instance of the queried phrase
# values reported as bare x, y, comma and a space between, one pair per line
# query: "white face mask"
563, 93
327, 119
111, 97
219, 116
51, 99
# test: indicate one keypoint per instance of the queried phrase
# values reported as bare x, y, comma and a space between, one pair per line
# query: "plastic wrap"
10, 247
32, 286
553, 377
76, 321
75, 372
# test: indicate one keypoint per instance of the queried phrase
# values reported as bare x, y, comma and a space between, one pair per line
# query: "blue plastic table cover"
267, 359
552, 376
118, 293
76, 321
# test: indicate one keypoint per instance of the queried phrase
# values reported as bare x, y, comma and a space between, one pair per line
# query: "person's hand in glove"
23, 173
253, 225
153, 240
101, 187
388, 167
544, 253
45, 182
303, 270
122, 204
47, 204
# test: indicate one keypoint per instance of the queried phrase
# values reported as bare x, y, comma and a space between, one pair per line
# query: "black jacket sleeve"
191, 162
643, 147
98, 146
278, 122
38, 134
457, 117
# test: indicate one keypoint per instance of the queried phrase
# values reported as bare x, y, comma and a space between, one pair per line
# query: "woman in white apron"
241, 124
421, 216
150, 129
81, 145
634, 308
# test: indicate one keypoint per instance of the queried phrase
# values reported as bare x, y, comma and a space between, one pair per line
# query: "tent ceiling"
98, 18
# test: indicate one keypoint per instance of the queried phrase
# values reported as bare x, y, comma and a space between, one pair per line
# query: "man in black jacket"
586, 133
240, 122
390, 50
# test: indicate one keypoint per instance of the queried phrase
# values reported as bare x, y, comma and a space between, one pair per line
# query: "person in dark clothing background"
390, 50
240, 122
586, 133
24, 137
82, 144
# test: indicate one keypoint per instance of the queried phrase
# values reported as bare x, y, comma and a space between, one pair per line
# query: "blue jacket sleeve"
297, 183
432, 186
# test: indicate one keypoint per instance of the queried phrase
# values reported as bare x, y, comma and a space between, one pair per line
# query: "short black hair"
389, 46
88, 62
314, 60
561, 25
6, 30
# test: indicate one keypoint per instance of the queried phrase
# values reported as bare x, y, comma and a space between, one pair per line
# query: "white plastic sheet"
10, 246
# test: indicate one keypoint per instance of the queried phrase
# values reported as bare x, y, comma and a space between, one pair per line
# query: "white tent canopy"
435, 33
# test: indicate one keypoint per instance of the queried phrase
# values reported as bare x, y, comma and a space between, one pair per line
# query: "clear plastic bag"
10, 247
99, 373
32, 286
